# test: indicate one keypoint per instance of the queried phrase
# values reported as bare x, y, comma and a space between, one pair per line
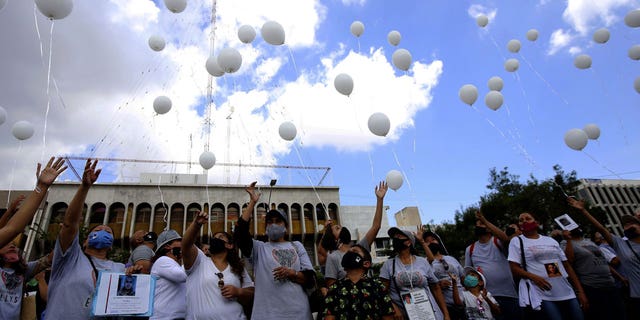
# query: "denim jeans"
509, 309
604, 303
562, 310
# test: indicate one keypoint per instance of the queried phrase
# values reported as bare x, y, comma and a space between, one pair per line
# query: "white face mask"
275, 231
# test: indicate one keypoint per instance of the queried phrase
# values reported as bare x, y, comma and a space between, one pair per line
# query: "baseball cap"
394, 230
277, 213
468, 270
165, 237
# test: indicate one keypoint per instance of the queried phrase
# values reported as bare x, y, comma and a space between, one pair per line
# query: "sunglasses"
445, 265
220, 279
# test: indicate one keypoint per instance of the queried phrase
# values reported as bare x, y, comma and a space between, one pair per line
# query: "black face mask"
558, 238
631, 233
480, 231
576, 233
435, 248
510, 231
176, 252
345, 236
217, 245
398, 244
352, 260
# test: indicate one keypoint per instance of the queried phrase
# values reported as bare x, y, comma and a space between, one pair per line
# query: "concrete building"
358, 220
615, 197
408, 217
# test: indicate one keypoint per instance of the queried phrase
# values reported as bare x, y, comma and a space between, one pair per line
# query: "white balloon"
634, 52
379, 124
601, 35
402, 59
632, 19
468, 94
592, 130
494, 100
246, 33
22, 130
287, 131
343, 83
512, 65
394, 179
175, 6
207, 160
482, 20
532, 35
55, 9
576, 139
2, 3
273, 33
3, 115
636, 84
394, 38
582, 61
213, 67
162, 104
357, 28
156, 42
514, 45
229, 59
495, 83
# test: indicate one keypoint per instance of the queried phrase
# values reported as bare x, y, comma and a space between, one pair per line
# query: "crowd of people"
515, 273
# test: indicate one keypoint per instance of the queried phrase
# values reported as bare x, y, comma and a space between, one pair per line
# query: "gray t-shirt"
279, 299
590, 264
73, 281
442, 269
141, 252
419, 274
494, 267
333, 266
11, 291
629, 262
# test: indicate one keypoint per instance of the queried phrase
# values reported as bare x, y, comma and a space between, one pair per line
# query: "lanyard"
410, 275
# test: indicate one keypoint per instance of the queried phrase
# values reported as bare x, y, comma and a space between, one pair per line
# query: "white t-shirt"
171, 288
204, 299
544, 257
476, 308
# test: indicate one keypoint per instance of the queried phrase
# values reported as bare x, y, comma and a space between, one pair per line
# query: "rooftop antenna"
271, 184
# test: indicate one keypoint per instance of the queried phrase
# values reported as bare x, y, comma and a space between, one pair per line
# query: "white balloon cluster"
577, 139
213, 68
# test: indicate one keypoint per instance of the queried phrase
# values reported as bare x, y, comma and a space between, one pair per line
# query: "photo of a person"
126, 285
564, 221
407, 298
552, 270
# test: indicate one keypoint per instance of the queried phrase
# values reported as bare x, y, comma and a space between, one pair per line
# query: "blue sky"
108, 77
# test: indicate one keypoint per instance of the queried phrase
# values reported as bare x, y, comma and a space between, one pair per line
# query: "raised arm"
497, 232
13, 208
254, 196
419, 237
381, 191
28, 209
579, 204
71, 222
189, 249
241, 234
568, 249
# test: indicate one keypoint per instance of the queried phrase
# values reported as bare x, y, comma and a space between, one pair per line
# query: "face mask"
352, 260
528, 226
510, 231
176, 252
398, 244
345, 236
217, 245
470, 281
631, 233
576, 233
100, 239
480, 231
435, 248
275, 231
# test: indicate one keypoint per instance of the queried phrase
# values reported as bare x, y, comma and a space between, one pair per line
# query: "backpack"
473, 245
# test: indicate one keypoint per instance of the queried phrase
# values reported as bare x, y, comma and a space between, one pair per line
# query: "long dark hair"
233, 257
328, 240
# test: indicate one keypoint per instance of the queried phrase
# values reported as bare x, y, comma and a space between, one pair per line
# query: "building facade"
615, 197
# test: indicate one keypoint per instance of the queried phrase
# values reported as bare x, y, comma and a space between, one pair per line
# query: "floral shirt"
365, 299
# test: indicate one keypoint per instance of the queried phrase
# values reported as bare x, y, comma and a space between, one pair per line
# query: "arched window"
116, 213
97, 213
143, 213
177, 212
217, 212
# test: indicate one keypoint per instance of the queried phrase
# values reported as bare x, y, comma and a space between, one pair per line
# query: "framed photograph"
565, 222
118, 294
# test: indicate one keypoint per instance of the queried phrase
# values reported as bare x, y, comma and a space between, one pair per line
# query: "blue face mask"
100, 239
275, 231
470, 281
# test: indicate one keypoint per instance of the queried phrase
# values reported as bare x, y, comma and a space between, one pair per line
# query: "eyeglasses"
220, 279
445, 265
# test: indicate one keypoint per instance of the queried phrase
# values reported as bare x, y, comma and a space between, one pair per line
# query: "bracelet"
37, 190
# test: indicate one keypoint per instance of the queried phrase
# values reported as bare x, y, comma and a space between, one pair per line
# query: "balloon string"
295, 67
12, 172
46, 114
524, 95
371, 165
602, 165
413, 195
164, 205
606, 94
543, 79
295, 147
206, 188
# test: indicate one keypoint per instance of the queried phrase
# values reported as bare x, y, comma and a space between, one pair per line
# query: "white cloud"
354, 2
559, 39
584, 15
477, 9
